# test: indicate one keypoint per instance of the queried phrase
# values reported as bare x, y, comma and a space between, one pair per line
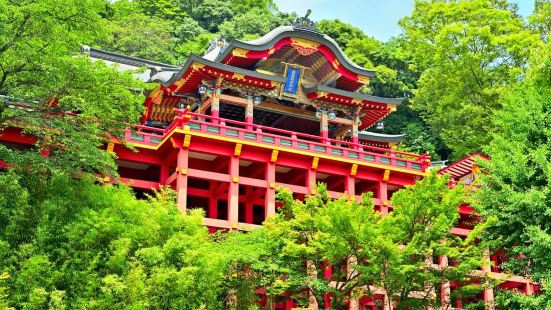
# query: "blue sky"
377, 18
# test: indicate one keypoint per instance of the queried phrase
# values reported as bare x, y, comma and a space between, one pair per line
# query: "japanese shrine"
226, 129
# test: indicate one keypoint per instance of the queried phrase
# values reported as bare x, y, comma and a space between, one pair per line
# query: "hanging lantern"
257, 100
202, 89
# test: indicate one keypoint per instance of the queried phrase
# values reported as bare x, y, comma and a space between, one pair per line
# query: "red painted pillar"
249, 110
383, 197
459, 303
311, 181
163, 176
213, 200
270, 188
233, 193
349, 186
181, 180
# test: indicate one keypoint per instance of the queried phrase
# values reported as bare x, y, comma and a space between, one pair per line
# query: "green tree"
210, 14
44, 83
469, 52
395, 79
365, 249
541, 18
169, 10
340, 31
76, 244
197, 46
188, 30
133, 33
516, 188
253, 24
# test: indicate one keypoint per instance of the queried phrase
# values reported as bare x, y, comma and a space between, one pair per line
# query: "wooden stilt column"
445, 289
488, 292
233, 192
249, 110
324, 127
350, 184
383, 193
270, 186
181, 180
311, 183
213, 200
163, 175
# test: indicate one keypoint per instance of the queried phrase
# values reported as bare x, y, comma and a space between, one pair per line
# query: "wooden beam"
281, 109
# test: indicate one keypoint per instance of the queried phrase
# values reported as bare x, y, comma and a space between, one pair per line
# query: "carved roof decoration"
289, 35
304, 23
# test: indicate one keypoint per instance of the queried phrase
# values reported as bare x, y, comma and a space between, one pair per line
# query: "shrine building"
226, 129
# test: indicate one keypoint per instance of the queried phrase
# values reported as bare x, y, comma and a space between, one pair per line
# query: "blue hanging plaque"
291, 81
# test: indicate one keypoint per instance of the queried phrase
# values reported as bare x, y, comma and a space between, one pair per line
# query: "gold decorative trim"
239, 52
315, 162
274, 156
353, 169
187, 140
363, 79
238, 76
235, 179
305, 43
197, 66
174, 143
237, 151
110, 147
386, 175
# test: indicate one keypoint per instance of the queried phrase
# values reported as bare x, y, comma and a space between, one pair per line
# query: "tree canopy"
475, 75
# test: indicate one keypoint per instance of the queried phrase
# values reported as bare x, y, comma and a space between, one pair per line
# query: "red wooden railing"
281, 138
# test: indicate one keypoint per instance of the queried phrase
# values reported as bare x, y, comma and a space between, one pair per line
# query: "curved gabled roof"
271, 38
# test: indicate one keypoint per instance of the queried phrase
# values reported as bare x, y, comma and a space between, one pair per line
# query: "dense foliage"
475, 75
364, 248
71, 243
468, 52
516, 189
67, 244
42, 81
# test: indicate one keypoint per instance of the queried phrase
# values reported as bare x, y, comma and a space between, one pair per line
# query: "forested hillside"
476, 77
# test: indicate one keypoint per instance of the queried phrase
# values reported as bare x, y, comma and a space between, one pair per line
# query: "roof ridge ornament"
304, 23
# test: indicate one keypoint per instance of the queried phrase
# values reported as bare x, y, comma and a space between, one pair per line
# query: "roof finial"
304, 23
